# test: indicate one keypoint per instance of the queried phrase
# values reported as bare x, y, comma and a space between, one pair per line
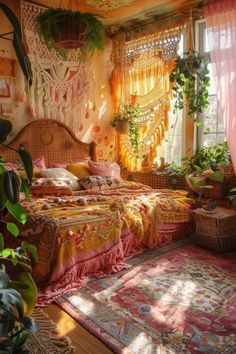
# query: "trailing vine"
128, 115
191, 78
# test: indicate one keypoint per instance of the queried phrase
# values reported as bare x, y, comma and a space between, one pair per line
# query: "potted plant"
125, 123
17, 295
66, 29
190, 76
202, 170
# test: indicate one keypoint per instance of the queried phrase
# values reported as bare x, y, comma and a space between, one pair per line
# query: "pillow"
39, 162
98, 183
78, 169
61, 173
64, 164
36, 173
51, 186
104, 169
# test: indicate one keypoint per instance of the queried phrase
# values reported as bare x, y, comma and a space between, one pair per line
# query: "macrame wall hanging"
61, 88
143, 63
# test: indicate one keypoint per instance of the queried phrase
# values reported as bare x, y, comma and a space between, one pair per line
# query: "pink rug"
181, 301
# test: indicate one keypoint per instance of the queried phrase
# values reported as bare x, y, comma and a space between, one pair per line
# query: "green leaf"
13, 229
6, 252
3, 198
27, 162
17, 211
25, 189
233, 190
22, 58
25, 285
217, 176
1, 242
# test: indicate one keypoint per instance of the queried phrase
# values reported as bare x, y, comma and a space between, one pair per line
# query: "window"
211, 118
171, 146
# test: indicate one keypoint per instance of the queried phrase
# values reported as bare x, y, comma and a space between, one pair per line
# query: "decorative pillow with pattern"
99, 183
51, 186
61, 173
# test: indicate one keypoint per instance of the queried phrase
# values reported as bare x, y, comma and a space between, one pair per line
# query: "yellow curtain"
141, 76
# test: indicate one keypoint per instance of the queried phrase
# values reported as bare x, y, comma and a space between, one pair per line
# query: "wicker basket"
216, 229
70, 34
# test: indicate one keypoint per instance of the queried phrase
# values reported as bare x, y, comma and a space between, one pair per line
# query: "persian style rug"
47, 340
181, 301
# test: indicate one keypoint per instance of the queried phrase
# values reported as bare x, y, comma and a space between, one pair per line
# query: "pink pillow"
39, 162
111, 169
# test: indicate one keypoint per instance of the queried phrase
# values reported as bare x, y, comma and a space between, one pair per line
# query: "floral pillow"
99, 183
51, 186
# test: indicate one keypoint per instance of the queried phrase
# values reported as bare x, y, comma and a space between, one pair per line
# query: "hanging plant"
127, 119
66, 29
191, 78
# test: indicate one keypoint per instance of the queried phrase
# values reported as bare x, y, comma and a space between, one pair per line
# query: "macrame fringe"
47, 338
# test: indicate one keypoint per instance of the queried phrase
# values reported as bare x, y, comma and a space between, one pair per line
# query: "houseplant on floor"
125, 123
66, 29
17, 296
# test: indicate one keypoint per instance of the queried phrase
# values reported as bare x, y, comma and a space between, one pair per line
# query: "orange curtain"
141, 76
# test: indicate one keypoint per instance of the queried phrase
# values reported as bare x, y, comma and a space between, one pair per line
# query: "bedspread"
91, 233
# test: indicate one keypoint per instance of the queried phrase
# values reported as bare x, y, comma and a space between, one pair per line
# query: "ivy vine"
191, 78
129, 115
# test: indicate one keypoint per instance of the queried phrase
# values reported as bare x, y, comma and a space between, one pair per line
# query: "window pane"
212, 116
212, 87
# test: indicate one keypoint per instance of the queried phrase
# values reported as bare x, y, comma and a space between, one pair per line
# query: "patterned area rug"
47, 340
182, 301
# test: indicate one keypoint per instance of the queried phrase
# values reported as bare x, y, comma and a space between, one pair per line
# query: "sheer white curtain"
221, 31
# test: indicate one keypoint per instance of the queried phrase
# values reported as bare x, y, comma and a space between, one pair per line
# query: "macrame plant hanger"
60, 87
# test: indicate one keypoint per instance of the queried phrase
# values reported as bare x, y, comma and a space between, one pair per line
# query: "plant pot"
122, 127
69, 34
215, 193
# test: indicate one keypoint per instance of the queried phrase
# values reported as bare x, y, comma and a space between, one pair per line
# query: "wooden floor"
84, 342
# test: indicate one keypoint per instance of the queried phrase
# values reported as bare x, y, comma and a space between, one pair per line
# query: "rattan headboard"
51, 139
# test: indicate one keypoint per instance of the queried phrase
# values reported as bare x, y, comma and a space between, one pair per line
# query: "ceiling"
117, 13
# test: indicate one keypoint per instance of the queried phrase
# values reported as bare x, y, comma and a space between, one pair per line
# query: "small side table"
215, 229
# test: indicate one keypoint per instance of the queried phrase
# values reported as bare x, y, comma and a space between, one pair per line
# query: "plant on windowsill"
125, 123
17, 295
202, 170
63, 29
191, 81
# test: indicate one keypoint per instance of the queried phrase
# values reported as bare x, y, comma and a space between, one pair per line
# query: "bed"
90, 233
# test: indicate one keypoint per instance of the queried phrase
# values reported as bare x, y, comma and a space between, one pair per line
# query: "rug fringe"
48, 337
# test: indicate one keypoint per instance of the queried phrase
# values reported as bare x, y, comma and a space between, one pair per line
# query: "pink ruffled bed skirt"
106, 262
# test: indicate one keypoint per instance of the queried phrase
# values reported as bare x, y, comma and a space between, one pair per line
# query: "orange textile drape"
141, 76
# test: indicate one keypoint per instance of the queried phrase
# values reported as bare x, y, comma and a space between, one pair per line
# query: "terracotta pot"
122, 127
70, 34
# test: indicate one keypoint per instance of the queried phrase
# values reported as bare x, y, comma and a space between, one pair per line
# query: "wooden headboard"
51, 139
